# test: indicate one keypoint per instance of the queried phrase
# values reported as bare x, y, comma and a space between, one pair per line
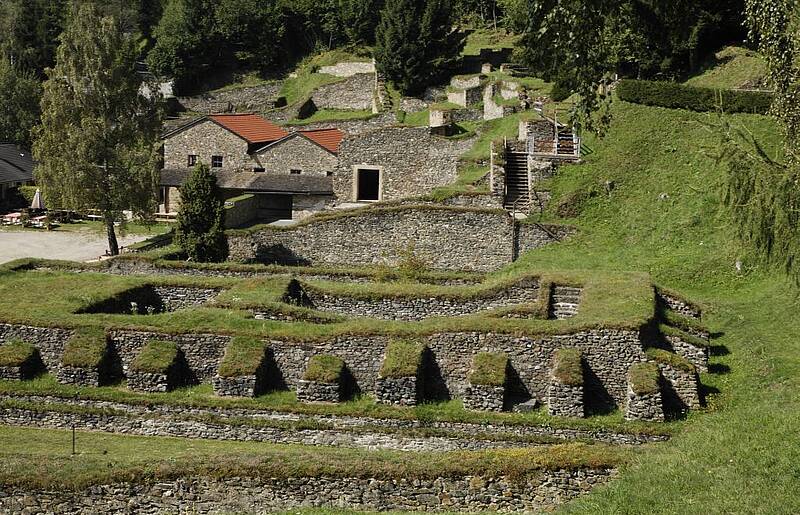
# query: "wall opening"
369, 184
274, 207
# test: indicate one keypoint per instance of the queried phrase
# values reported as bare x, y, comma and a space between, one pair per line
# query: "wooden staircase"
518, 194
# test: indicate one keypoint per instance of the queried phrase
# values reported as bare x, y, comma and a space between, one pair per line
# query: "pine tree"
19, 110
201, 218
96, 146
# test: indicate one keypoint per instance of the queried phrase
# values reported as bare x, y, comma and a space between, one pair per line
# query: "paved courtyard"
74, 246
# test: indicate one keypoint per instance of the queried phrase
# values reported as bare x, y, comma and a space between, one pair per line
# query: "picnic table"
12, 218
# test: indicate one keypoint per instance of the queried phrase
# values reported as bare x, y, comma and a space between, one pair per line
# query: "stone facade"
681, 388
242, 386
204, 140
355, 92
79, 376
405, 308
697, 356
649, 407
477, 240
413, 162
348, 68
564, 400
479, 397
295, 153
400, 391
545, 491
49, 341
314, 391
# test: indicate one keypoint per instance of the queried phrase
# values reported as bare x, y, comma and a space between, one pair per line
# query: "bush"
324, 368
156, 357
403, 359
16, 353
678, 96
568, 368
643, 378
489, 369
87, 348
561, 91
201, 218
243, 357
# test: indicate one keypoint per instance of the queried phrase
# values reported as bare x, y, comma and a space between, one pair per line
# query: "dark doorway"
369, 184
274, 207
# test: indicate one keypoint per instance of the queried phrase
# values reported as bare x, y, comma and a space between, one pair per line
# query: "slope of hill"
732, 67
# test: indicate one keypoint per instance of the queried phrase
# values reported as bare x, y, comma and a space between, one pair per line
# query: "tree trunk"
113, 246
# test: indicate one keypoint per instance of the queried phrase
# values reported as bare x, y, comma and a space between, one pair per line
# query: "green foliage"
403, 359
678, 96
96, 147
156, 357
29, 30
201, 218
19, 110
411, 266
489, 369
243, 357
732, 67
16, 353
644, 378
324, 368
87, 348
28, 192
561, 90
568, 366
415, 43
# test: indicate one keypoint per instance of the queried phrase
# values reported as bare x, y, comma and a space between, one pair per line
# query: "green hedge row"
678, 96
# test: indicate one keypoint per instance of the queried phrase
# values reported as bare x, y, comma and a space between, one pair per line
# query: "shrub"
567, 367
403, 359
561, 91
678, 96
16, 353
411, 266
243, 357
87, 348
156, 357
200, 229
489, 369
643, 378
324, 368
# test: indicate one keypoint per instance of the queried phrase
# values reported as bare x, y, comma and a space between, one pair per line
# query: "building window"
216, 161
191, 160
258, 169
295, 171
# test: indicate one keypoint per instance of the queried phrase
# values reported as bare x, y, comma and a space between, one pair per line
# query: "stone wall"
348, 68
678, 305
296, 153
649, 407
314, 391
477, 240
49, 340
79, 376
413, 162
400, 391
243, 100
358, 126
465, 97
697, 356
531, 236
241, 212
202, 352
204, 140
480, 397
355, 92
242, 386
545, 491
564, 400
391, 308
681, 388
179, 297
491, 109
304, 206
461, 82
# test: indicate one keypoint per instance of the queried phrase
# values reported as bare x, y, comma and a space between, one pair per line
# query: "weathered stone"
314, 391
649, 407
400, 391
478, 397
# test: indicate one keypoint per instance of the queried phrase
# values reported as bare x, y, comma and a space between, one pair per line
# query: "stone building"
289, 173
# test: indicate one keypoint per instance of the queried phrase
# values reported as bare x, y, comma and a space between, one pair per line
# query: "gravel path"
73, 246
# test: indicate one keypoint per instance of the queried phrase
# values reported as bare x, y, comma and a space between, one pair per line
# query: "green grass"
489, 369
643, 378
86, 348
156, 357
243, 357
487, 38
16, 353
242, 81
45, 460
297, 89
324, 368
568, 367
328, 115
731, 68
418, 119
403, 359
671, 359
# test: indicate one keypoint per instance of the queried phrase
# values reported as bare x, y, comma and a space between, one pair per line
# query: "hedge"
644, 378
87, 348
567, 367
403, 359
156, 357
243, 357
324, 368
678, 96
489, 369
16, 353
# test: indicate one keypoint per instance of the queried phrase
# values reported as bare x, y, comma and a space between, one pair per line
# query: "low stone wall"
564, 400
649, 407
242, 386
257, 98
697, 356
466, 82
400, 391
389, 308
355, 92
241, 212
313, 391
681, 390
243, 495
49, 340
179, 297
348, 68
465, 97
480, 397
79, 376
12, 374
150, 382
678, 305
477, 240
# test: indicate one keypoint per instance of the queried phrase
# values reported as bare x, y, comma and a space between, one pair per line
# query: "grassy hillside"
731, 68
738, 457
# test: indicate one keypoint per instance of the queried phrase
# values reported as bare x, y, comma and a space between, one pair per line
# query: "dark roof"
250, 127
16, 164
263, 182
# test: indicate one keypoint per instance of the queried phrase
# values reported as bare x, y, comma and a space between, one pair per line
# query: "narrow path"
73, 246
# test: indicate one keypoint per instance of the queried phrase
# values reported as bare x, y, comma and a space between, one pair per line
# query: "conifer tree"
201, 218
19, 110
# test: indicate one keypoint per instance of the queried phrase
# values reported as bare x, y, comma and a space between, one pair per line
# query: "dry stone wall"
697, 356
243, 100
480, 397
49, 340
348, 68
545, 491
314, 391
681, 390
400, 391
564, 400
649, 407
355, 92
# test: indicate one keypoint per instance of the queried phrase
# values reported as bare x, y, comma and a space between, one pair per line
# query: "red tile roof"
328, 138
251, 127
